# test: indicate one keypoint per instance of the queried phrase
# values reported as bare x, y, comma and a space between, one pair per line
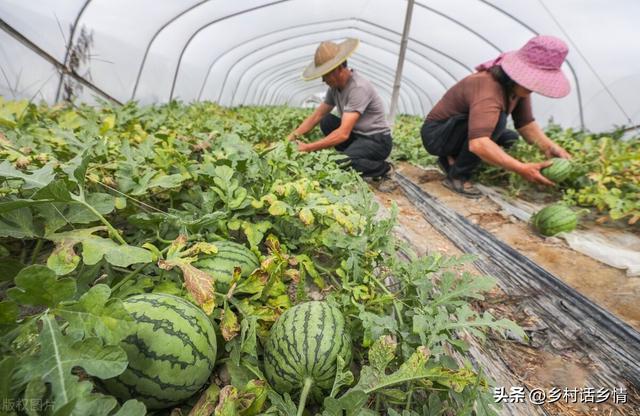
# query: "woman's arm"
487, 150
533, 134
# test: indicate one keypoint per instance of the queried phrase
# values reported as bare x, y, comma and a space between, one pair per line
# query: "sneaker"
386, 182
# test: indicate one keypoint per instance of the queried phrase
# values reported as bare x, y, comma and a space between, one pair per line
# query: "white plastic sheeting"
253, 51
615, 248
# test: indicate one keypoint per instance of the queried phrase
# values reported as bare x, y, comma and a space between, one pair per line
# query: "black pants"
366, 154
450, 138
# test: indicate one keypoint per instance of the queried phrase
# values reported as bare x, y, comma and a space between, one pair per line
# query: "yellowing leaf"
278, 208
306, 216
229, 325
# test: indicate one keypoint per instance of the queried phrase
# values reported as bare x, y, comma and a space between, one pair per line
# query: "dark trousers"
450, 138
366, 154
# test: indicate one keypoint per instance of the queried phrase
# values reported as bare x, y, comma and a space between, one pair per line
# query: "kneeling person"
361, 132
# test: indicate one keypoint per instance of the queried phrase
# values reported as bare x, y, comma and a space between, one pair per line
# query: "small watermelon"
229, 256
171, 352
554, 219
558, 171
303, 347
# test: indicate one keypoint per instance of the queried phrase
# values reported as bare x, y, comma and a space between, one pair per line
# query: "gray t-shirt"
359, 96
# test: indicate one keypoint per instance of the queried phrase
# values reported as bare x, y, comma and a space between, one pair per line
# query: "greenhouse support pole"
403, 49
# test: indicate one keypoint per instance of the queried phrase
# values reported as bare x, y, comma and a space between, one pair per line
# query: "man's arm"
487, 150
533, 134
336, 137
310, 122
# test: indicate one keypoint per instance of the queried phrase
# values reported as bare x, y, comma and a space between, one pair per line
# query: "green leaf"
7, 367
348, 405
95, 314
9, 313
132, 408
17, 223
38, 285
10, 268
7, 206
167, 181
33, 396
35, 180
55, 191
76, 168
255, 231
59, 354
343, 377
282, 404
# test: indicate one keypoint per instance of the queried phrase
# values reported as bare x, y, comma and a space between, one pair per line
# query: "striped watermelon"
229, 256
171, 352
554, 219
558, 171
303, 347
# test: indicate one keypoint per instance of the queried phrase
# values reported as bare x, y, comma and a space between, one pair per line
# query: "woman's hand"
556, 151
531, 172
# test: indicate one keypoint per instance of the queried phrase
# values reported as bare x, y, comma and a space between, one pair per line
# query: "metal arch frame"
78, 17
414, 93
277, 65
573, 72
233, 95
262, 98
376, 78
69, 44
389, 51
249, 54
357, 20
229, 16
153, 39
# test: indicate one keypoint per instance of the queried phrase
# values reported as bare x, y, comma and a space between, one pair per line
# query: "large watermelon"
558, 171
171, 352
229, 256
303, 347
554, 219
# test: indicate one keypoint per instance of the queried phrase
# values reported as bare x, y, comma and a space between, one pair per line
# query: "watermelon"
171, 351
558, 171
229, 256
554, 219
303, 346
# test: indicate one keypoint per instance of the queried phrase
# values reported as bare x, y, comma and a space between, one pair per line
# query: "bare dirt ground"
539, 363
607, 286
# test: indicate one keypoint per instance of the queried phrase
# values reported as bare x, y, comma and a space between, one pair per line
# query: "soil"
539, 363
607, 286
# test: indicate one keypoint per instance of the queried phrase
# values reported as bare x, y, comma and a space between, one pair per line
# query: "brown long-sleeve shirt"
481, 97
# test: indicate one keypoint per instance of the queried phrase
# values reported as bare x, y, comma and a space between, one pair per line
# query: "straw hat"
536, 66
328, 57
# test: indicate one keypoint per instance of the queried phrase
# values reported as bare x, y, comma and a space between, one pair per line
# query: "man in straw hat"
467, 125
361, 132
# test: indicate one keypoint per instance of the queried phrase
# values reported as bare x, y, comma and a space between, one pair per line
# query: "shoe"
458, 186
387, 184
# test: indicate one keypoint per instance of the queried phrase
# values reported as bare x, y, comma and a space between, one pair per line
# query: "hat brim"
345, 50
548, 82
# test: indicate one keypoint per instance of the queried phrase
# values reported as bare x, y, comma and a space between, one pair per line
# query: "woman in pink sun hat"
468, 124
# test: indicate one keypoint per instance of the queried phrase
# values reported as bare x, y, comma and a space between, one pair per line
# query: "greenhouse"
295, 207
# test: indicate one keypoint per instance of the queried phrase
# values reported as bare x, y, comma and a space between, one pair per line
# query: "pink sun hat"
536, 66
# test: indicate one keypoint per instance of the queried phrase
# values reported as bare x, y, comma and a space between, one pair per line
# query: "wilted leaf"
63, 259
207, 402
278, 208
229, 325
34, 180
306, 216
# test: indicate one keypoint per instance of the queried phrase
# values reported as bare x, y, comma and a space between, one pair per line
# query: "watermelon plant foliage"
102, 204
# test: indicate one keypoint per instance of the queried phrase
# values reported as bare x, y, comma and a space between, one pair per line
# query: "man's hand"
531, 172
556, 151
302, 147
